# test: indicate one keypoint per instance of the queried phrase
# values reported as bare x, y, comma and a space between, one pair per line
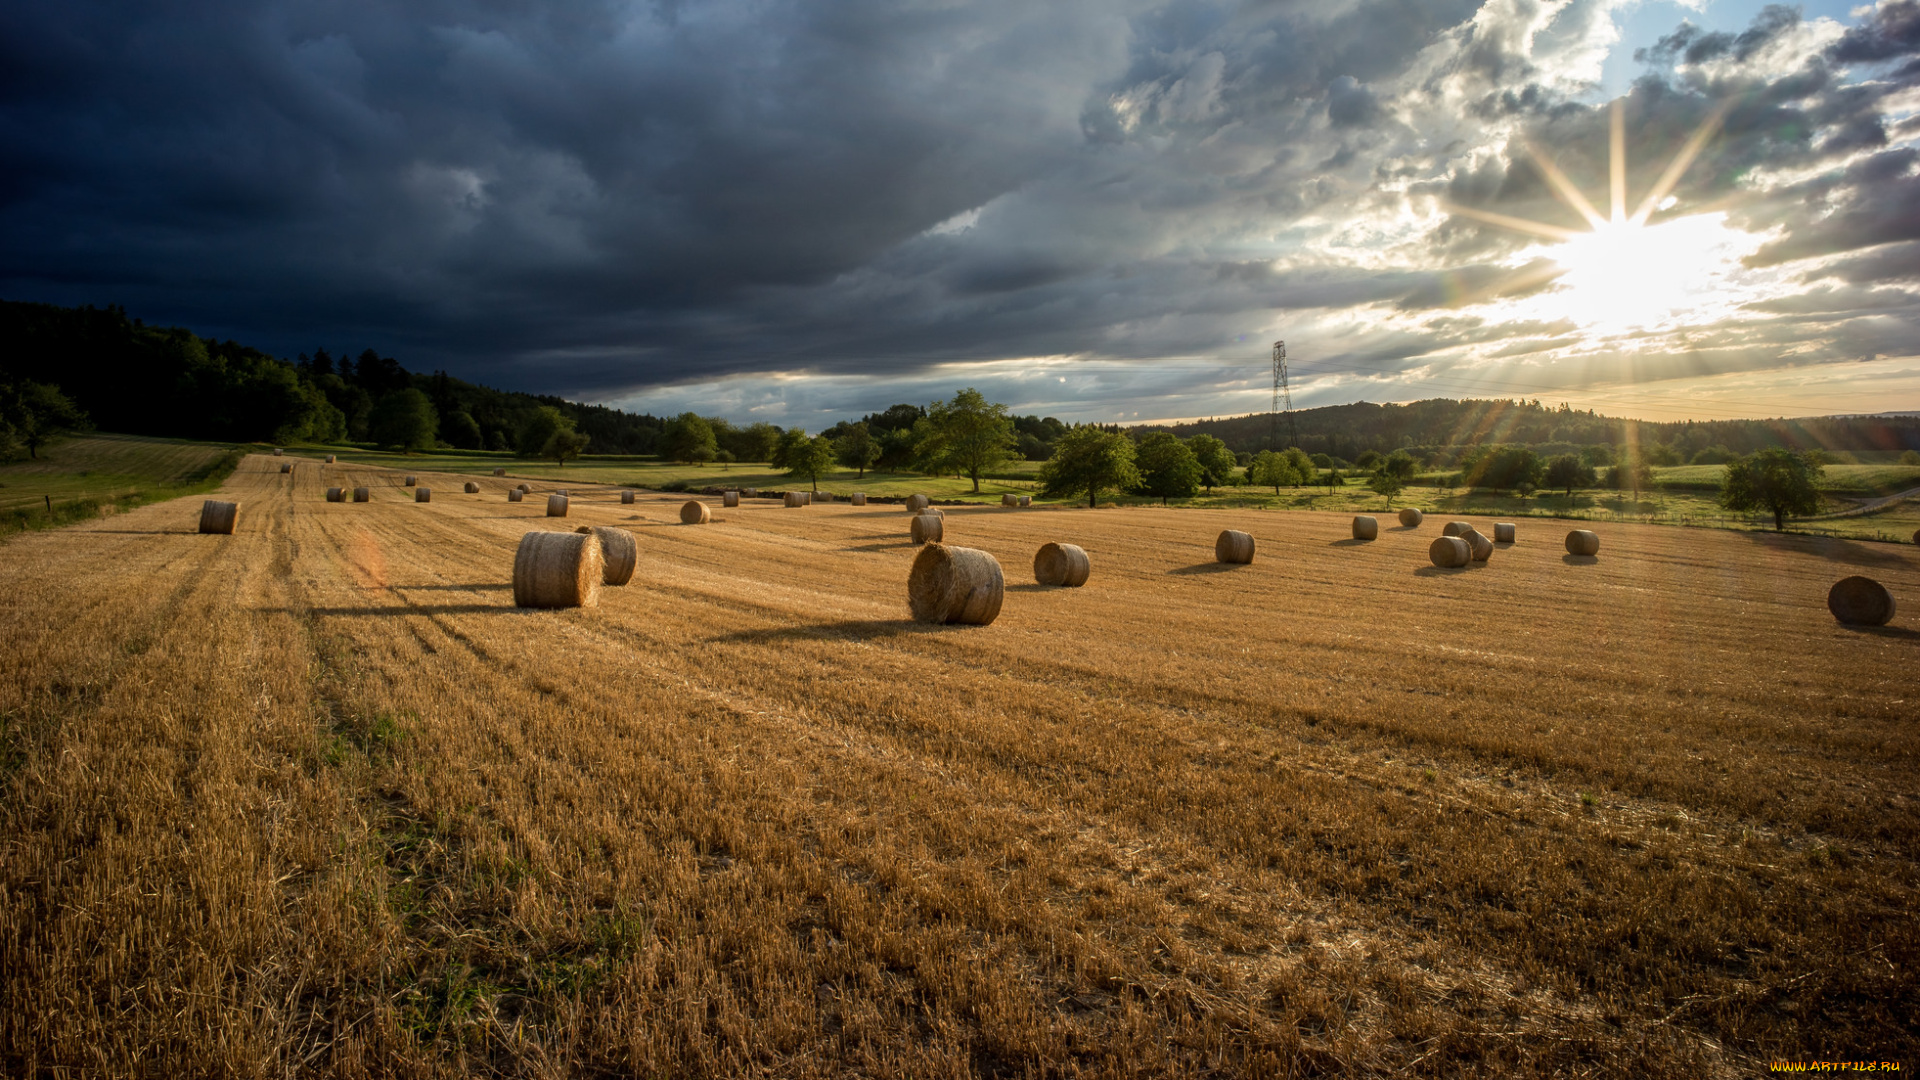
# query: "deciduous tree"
1778, 481
1090, 460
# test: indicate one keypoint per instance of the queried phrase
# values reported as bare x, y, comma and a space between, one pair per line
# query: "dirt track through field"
316, 799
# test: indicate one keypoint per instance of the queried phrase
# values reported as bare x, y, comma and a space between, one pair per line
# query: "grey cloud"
1892, 30
1351, 104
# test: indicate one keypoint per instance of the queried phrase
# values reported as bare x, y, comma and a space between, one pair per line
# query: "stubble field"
315, 799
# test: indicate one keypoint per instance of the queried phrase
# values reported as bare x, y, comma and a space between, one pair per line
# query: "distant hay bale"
1061, 564
562, 492
472, 488
1026, 500
1916, 536
277, 451
361, 494
1009, 500
499, 472
752, 493
1503, 532
526, 489
1457, 528
286, 467
1449, 552
695, 513
556, 570
859, 498
1366, 528
336, 494
626, 498
556, 505
1856, 601
729, 499
1481, 547
1583, 542
927, 529
917, 503
1233, 546
412, 480
421, 495
955, 585
618, 553
1411, 518
515, 495
792, 498
330, 459
219, 517
932, 511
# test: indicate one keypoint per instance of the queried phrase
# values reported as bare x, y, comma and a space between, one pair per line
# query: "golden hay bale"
618, 553
1061, 564
1026, 500
1449, 552
412, 480
336, 494
859, 498
277, 451
499, 472
472, 488
1503, 532
562, 491
695, 513
1009, 500
515, 495
1365, 528
1856, 601
286, 467
219, 517
555, 569
752, 493
932, 511
421, 495
1457, 528
927, 529
729, 499
526, 489
792, 498
955, 585
1411, 518
329, 459
361, 494
1583, 542
1482, 548
1916, 536
917, 503
556, 505
626, 498
1234, 546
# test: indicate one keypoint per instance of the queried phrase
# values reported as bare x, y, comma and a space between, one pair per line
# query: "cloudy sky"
802, 210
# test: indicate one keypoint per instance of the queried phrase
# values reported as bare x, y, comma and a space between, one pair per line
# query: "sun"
1621, 273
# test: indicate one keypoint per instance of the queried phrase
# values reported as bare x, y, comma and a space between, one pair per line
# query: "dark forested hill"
149, 380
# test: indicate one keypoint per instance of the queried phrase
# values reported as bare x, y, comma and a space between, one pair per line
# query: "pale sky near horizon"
804, 210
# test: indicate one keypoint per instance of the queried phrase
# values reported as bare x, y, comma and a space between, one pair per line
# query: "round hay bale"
1061, 564
955, 585
361, 494
1026, 500
752, 493
1859, 601
917, 503
556, 505
1009, 500
928, 529
933, 511
1583, 542
219, 517
499, 472
556, 569
515, 495
626, 498
729, 498
695, 513
472, 488
1366, 528
286, 467
1457, 528
859, 498
1234, 546
1503, 532
1449, 552
421, 495
618, 553
1482, 548
412, 480
330, 459
791, 498
277, 451
1916, 536
562, 491
336, 494
1411, 518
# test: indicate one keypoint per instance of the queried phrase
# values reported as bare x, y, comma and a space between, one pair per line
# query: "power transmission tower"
1281, 393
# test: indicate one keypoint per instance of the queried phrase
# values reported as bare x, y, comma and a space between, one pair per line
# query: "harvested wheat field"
316, 799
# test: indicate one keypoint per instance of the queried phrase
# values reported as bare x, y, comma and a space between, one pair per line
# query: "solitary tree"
1777, 480
404, 418
1216, 461
857, 449
1090, 460
549, 433
724, 457
1269, 467
1167, 467
1568, 471
968, 434
804, 457
689, 438
32, 413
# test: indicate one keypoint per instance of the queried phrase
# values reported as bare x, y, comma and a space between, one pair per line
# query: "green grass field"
1860, 481
76, 478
